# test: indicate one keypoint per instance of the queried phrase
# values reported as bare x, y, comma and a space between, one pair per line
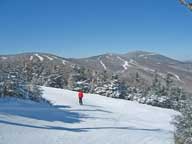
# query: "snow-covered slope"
101, 120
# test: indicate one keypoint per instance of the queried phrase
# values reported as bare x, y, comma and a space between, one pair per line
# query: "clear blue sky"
81, 28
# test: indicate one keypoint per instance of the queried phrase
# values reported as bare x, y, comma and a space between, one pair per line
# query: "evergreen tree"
168, 83
183, 123
156, 85
113, 88
13, 84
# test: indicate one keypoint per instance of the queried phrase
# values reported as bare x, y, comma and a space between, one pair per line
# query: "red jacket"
80, 94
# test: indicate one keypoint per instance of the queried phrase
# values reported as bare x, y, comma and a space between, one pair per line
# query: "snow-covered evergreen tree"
113, 88
183, 123
14, 84
55, 80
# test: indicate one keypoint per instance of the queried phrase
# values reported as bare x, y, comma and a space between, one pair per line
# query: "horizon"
84, 28
134, 51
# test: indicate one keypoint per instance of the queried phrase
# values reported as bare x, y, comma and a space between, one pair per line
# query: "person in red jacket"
80, 95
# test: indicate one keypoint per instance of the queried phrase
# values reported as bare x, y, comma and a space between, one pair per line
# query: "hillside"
101, 120
46, 69
145, 63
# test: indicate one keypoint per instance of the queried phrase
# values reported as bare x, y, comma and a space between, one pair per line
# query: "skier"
80, 95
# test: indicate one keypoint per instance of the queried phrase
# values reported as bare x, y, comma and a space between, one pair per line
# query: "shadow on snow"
44, 113
59, 113
79, 129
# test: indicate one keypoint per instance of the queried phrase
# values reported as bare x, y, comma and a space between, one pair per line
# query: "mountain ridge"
125, 65
108, 53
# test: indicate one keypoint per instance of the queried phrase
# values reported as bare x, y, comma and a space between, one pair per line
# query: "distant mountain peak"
139, 52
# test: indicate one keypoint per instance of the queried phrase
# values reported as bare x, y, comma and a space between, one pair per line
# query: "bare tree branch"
186, 3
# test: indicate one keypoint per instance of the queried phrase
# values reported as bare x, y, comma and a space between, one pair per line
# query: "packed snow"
142, 55
103, 65
3, 58
176, 76
107, 57
55, 57
48, 57
39, 57
145, 55
148, 69
64, 62
133, 62
125, 63
101, 120
31, 58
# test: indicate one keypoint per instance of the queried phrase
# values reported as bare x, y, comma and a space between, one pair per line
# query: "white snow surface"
48, 57
64, 62
145, 55
133, 62
55, 57
3, 58
104, 66
125, 63
101, 120
31, 58
39, 57
176, 76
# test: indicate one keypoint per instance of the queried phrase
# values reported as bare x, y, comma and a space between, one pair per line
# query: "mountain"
45, 67
101, 120
145, 63
40, 67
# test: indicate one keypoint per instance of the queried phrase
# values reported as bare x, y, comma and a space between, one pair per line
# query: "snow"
48, 57
126, 63
39, 57
64, 62
148, 69
3, 58
31, 58
81, 82
162, 75
141, 55
101, 120
73, 65
176, 76
55, 57
151, 54
145, 55
103, 65
133, 62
